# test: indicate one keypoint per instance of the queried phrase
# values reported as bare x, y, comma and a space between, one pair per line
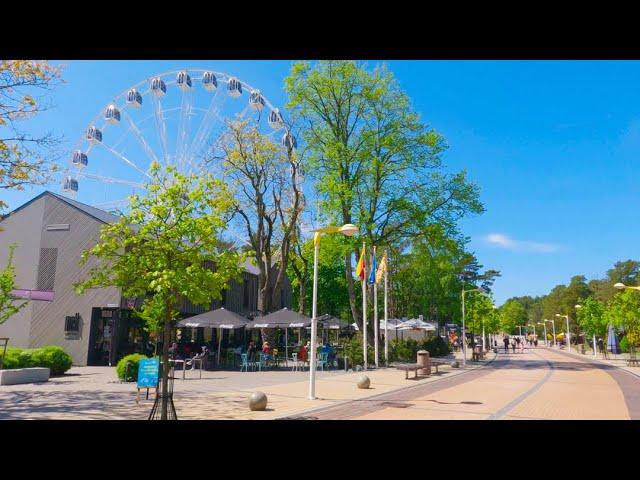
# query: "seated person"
266, 349
251, 351
302, 354
329, 350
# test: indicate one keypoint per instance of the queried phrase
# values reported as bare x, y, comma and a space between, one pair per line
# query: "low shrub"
436, 346
12, 358
52, 357
399, 350
130, 375
624, 345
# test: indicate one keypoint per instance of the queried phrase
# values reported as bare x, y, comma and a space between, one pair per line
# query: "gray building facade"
97, 327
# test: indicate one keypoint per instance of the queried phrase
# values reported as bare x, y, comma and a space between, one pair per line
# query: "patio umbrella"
284, 318
221, 318
612, 341
417, 324
333, 323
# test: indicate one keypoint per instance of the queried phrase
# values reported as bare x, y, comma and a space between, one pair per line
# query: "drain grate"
395, 404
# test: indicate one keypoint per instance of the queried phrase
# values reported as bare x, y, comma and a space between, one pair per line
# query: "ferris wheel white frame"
183, 156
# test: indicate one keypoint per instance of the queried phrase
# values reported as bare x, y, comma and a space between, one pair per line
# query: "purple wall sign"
44, 295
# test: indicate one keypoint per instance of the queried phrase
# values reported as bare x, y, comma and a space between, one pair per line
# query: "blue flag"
374, 267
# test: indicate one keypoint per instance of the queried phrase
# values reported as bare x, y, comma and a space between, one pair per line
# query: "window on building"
47, 269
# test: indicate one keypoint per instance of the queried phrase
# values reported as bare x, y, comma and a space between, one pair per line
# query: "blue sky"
553, 145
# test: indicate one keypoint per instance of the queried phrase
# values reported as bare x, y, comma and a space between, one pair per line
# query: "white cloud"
503, 241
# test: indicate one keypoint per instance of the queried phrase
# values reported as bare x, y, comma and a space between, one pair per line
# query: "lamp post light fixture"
568, 332
348, 230
622, 286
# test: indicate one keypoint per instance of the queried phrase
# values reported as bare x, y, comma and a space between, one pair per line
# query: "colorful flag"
374, 267
382, 269
362, 264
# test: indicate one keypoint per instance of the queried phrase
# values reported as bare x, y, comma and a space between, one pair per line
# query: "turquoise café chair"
245, 362
324, 360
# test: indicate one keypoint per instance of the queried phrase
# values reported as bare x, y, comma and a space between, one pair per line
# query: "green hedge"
399, 350
132, 373
52, 357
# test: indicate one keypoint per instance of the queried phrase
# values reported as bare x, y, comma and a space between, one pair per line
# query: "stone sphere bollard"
363, 382
455, 364
258, 401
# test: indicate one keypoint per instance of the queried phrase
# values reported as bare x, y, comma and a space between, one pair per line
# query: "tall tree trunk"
165, 363
303, 292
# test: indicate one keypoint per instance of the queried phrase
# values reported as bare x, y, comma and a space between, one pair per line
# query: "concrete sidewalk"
618, 361
290, 399
95, 393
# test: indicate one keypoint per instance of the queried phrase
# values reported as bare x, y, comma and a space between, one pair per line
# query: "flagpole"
375, 310
364, 312
386, 319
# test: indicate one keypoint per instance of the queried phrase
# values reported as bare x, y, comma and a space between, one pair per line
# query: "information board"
148, 373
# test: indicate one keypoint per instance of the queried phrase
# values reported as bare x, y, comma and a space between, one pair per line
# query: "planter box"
24, 375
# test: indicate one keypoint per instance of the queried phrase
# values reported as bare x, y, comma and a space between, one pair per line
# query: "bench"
408, 367
436, 363
478, 355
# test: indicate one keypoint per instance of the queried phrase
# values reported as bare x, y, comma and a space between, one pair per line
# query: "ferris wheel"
173, 118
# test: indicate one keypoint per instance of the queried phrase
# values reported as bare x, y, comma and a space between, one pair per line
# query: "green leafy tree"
479, 313
24, 159
623, 311
512, 315
267, 182
591, 317
9, 306
166, 248
377, 165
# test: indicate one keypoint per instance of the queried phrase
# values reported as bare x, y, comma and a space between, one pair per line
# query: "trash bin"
424, 361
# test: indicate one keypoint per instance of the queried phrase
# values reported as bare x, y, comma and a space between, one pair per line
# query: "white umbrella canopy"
393, 323
417, 324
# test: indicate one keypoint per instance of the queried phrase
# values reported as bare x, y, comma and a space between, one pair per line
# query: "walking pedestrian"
506, 344
513, 346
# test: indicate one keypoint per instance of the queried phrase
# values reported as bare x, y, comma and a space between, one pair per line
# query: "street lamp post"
568, 332
347, 230
464, 331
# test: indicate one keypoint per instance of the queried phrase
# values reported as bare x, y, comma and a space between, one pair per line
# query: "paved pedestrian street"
538, 384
